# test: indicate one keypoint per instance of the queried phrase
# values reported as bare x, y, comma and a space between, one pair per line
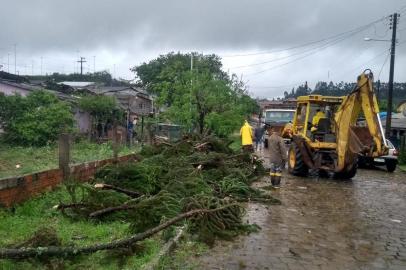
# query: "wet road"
323, 224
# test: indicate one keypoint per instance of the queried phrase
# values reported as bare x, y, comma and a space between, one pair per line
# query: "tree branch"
110, 209
28, 252
128, 192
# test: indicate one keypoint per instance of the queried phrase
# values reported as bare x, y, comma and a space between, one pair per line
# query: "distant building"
398, 127
277, 104
401, 108
79, 85
11, 88
134, 100
82, 118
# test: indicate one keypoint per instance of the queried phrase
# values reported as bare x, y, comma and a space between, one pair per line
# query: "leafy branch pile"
202, 180
172, 178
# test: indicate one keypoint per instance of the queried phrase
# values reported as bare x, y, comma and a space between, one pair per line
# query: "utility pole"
8, 62
94, 64
81, 61
191, 87
394, 21
32, 67
15, 58
41, 64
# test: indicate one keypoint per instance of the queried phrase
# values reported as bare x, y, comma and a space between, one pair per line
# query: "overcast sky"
115, 35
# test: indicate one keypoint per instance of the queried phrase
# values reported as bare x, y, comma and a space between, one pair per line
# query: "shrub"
402, 157
34, 120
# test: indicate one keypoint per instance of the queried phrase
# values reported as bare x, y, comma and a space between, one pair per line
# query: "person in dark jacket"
277, 157
258, 136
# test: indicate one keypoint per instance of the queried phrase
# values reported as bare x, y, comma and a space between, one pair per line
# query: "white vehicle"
390, 160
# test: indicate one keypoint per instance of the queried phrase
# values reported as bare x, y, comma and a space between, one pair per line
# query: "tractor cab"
314, 117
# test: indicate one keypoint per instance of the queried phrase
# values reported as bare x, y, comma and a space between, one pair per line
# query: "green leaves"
205, 99
102, 108
34, 120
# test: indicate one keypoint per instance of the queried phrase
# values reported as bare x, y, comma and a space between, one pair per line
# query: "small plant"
402, 157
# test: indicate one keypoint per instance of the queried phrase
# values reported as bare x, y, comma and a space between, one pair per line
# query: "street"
323, 224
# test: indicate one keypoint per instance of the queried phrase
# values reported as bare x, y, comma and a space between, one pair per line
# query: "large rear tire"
391, 164
296, 165
348, 174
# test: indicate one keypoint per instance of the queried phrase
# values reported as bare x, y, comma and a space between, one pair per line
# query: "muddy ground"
323, 224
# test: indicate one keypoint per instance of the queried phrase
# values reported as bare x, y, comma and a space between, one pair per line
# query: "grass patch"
18, 224
182, 256
34, 159
402, 167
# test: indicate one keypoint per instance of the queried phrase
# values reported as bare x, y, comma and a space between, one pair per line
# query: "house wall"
83, 121
9, 90
142, 106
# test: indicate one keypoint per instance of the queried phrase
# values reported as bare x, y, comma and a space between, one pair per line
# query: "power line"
332, 42
309, 43
363, 64
386, 60
298, 58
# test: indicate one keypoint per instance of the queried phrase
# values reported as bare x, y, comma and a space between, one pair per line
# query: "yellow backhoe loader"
325, 135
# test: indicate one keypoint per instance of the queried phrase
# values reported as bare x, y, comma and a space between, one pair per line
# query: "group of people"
276, 147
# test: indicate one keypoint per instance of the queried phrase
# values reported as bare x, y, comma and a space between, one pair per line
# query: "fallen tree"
201, 179
51, 251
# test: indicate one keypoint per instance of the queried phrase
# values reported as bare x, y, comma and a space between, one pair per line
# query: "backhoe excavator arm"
348, 144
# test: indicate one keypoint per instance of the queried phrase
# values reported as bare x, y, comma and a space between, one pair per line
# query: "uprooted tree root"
52, 251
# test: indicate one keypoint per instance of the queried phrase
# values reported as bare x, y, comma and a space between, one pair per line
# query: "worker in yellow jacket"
246, 137
316, 118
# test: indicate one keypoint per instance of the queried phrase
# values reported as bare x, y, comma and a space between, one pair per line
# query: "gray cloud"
126, 32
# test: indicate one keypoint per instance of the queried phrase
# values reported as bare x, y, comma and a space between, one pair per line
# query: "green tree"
102, 108
205, 99
163, 73
34, 120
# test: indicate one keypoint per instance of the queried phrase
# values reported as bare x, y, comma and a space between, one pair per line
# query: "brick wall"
18, 189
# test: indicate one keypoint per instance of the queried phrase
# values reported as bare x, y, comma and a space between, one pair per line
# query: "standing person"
130, 131
246, 137
277, 157
258, 134
135, 121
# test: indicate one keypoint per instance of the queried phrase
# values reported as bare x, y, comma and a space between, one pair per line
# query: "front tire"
296, 165
391, 164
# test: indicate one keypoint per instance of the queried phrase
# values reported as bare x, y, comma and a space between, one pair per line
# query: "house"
401, 108
11, 88
398, 127
79, 85
277, 104
134, 100
82, 118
